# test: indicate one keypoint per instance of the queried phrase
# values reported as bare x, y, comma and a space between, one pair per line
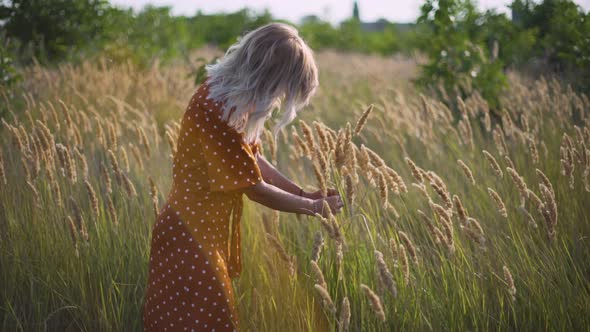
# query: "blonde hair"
264, 66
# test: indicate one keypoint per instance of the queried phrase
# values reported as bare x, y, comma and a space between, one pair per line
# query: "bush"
456, 59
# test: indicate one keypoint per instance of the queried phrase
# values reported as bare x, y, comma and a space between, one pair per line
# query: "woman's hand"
318, 194
334, 202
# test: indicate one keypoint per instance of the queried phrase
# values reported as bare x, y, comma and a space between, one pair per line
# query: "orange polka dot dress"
195, 245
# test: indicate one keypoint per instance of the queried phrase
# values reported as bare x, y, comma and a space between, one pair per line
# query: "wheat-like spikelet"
520, 184
374, 301
106, 177
472, 222
67, 162
461, 211
45, 135
410, 246
112, 136
279, 248
340, 259
403, 260
509, 162
68, 119
447, 229
143, 140
154, 196
79, 219
344, 321
307, 134
545, 181
115, 166
337, 232
364, 159
323, 136
272, 145
351, 160
128, 186
92, 197
319, 276
83, 162
328, 227
415, 170
100, 133
499, 203
441, 212
321, 159
304, 149
549, 211
509, 282
392, 185
383, 192
362, 120
269, 226
2, 170
474, 230
36, 195
321, 178
318, 244
326, 298
350, 193
436, 235
18, 140
375, 158
533, 150
499, 141
396, 178
394, 248
55, 188
136, 155
529, 217
466, 171
112, 211
124, 159
73, 234
25, 165
537, 202
495, 166
384, 274
422, 189
444, 195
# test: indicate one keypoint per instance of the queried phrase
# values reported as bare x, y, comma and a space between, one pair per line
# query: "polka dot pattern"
195, 246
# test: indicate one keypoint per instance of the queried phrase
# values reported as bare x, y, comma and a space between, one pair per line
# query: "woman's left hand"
318, 194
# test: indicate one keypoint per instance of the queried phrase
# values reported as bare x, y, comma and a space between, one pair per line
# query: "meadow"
457, 217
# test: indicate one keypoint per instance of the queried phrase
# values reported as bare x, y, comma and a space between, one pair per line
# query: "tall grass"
456, 218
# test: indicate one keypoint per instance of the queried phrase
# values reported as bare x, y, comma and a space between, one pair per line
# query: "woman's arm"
272, 176
279, 199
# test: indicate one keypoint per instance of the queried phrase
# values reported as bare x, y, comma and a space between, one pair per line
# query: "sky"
330, 10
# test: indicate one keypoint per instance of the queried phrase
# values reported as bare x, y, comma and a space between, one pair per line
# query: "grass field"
436, 234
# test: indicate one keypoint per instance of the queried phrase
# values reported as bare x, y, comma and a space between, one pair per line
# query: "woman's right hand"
334, 202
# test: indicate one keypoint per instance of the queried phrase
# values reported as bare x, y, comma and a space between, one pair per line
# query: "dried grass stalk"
499, 203
362, 120
374, 301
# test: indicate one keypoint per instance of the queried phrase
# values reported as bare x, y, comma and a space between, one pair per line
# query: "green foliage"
350, 36
457, 60
8, 73
57, 28
199, 72
561, 30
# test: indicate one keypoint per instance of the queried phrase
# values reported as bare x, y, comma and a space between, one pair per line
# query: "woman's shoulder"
200, 100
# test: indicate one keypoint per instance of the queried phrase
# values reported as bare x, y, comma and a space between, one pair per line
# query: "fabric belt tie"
234, 260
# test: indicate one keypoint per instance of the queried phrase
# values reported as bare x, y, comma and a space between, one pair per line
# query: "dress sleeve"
231, 163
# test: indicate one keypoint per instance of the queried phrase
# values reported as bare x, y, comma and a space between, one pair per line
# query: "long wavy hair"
265, 68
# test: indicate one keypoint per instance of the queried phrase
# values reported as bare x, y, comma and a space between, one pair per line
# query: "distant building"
377, 26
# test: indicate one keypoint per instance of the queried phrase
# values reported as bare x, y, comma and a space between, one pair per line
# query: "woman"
194, 250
